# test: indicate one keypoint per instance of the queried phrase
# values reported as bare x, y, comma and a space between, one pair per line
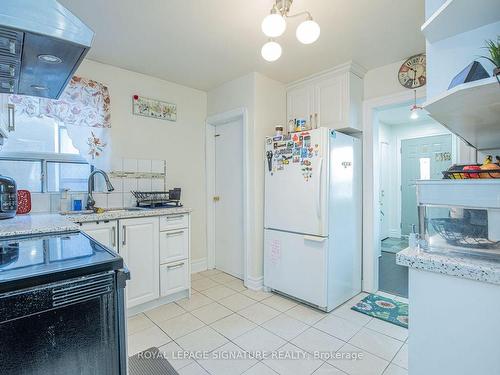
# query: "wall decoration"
154, 108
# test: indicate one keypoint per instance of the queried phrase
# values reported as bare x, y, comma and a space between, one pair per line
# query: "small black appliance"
8, 197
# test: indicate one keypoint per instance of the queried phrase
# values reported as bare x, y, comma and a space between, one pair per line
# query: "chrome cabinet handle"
175, 266
12, 47
113, 236
124, 237
12, 122
174, 233
174, 217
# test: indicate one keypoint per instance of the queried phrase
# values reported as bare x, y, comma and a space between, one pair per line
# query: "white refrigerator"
313, 224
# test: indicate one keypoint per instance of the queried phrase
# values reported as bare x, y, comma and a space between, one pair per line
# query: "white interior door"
384, 190
228, 199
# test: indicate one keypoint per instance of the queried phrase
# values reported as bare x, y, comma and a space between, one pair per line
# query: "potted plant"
494, 50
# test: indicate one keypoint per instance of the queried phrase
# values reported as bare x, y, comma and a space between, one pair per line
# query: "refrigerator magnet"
303, 153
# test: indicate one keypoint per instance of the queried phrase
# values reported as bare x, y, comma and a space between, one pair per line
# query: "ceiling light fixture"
274, 25
415, 108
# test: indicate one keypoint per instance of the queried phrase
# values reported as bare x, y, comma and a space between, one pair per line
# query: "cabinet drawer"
174, 245
174, 277
174, 221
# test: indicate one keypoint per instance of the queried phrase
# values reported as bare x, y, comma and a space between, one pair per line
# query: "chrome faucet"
90, 187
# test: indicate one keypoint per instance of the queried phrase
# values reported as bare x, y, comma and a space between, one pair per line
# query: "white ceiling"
400, 115
203, 43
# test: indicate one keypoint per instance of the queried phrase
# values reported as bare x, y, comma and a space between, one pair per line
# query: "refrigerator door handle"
314, 239
318, 188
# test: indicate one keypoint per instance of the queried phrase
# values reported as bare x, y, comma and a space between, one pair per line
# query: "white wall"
383, 81
180, 143
264, 100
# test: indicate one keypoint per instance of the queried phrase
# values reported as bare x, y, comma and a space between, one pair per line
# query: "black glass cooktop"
41, 259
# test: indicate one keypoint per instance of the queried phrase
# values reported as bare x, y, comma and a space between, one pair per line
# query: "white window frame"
43, 158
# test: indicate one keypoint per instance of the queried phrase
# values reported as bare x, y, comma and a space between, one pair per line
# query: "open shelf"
458, 16
471, 111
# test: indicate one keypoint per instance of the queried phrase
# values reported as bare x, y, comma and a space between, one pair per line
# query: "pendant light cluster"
274, 25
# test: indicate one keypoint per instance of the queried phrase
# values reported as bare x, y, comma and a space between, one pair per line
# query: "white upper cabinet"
333, 99
331, 102
300, 103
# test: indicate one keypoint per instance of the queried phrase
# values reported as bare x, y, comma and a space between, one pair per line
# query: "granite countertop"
36, 224
55, 222
123, 214
454, 264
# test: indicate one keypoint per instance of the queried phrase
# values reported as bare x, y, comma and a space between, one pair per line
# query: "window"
40, 156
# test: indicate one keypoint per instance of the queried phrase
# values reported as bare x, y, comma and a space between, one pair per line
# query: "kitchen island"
454, 306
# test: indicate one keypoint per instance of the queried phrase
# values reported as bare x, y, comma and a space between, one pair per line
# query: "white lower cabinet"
156, 250
104, 232
139, 247
174, 277
174, 245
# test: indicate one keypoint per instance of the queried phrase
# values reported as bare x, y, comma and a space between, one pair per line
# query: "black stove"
31, 260
62, 306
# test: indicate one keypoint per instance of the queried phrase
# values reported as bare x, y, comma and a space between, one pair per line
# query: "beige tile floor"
223, 317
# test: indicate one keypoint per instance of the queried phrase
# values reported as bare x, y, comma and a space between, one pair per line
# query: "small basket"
463, 233
456, 172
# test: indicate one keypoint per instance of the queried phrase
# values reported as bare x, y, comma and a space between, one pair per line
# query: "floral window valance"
84, 109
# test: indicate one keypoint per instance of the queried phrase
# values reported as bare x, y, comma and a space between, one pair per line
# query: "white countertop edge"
473, 269
45, 223
116, 215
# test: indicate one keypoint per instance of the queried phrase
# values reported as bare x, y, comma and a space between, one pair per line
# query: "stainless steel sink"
106, 210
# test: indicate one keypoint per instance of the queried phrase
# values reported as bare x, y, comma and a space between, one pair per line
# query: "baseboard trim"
255, 283
198, 265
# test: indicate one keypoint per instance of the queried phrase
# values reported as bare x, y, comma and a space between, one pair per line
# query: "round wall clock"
412, 73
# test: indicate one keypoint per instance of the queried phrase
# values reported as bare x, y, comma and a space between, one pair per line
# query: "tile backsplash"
120, 197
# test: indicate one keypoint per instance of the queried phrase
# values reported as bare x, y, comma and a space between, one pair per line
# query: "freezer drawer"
296, 264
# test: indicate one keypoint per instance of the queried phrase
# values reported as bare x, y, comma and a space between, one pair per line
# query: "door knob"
216, 198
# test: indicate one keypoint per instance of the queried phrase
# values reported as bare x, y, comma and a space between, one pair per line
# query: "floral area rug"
387, 309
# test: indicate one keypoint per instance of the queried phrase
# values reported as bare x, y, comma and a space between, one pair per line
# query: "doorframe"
371, 183
210, 124
371, 180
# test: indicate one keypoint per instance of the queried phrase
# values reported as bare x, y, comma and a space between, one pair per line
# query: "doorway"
409, 150
227, 206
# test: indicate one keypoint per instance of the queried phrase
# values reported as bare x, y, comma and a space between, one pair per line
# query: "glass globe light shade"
271, 51
273, 25
308, 32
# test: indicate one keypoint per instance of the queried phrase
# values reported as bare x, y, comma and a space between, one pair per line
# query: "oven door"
61, 328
